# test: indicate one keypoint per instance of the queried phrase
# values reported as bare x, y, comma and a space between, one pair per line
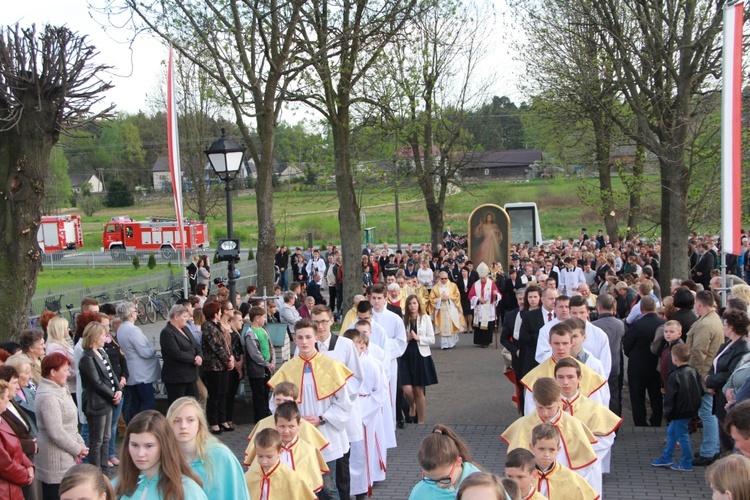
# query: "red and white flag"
731, 128
173, 145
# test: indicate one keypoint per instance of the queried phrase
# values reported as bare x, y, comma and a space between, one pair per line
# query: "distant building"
77, 180
511, 163
162, 176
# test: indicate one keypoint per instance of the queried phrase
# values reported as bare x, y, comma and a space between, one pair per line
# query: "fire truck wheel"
168, 253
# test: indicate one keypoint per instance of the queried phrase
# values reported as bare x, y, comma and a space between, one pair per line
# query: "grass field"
298, 212
49, 278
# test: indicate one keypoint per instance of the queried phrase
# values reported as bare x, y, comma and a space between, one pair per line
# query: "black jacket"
725, 365
682, 398
533, 321
178, 351
637, 344
686, 318
507, 340
97, 390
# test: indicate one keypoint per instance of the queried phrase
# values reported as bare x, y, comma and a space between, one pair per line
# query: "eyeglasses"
322, 322
444, 481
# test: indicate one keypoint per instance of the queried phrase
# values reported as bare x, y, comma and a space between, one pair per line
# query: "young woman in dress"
417, 370
153, 466
213, 462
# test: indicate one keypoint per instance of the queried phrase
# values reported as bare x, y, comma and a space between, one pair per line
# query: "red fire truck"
160, 234
59, 232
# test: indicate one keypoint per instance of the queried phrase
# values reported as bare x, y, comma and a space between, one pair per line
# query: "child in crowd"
482, 486
297, 453
445, 462
521, 468
154, 468
367, 461
730, 478
682, 399
576, 451
592, 385
602, 422
86, 481
211, 460
259, 355
271, 479
287, 391
672, 337
555, 480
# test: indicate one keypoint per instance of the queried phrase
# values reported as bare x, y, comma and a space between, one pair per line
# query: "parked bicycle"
154, 303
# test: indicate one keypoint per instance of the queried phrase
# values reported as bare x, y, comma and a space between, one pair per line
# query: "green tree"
119, 195
151, 261
58, 186
89, 205
48, 83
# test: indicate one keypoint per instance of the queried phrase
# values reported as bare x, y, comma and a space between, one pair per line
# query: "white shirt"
570, 279
597, 343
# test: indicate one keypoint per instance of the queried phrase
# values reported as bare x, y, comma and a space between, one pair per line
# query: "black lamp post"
225, 157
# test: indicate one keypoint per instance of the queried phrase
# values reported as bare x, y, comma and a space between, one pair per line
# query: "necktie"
549, 316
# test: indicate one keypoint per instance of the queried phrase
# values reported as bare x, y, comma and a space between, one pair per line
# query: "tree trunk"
24, 157
349, 221
635, 186
674, 217
603, 142
264, 203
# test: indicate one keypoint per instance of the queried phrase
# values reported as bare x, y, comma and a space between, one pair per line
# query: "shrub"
151, 260
136, 262
89, 205
119, 195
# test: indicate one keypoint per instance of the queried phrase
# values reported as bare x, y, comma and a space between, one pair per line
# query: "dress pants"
142, 398
217, 383
641, 383
176, 391
343, 480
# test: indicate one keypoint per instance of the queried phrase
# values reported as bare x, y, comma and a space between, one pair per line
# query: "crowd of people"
574, 318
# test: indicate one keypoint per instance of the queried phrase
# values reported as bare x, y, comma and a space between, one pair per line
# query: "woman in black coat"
181, 355
736, 325
101, 392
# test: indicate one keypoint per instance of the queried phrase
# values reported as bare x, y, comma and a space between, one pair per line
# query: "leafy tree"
48, 84
119, 195
58, 185
89, 205
497, 126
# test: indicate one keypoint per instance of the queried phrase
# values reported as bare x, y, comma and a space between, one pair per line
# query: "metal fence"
57, 298
103, 260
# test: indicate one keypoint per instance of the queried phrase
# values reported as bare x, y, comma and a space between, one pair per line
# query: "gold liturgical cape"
564, 484
328, 375
597, 417
306, 431
575, 437
307, 461
281, 483
590, 380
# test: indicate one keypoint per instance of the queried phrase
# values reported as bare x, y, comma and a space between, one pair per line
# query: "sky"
137, 68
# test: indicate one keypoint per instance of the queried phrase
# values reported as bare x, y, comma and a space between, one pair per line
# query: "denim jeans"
113, 432
710, 444
677, 432
329, 491
142, 398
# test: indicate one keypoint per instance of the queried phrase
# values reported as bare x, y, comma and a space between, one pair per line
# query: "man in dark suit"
706, 264
533, 321
509, 338
642, 374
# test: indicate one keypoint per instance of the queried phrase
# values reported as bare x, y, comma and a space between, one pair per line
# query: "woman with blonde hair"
211, 460
742, 292
730, 478
58, 340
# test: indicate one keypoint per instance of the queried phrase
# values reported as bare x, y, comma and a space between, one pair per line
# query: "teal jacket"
148, 490
227, 479
425, 490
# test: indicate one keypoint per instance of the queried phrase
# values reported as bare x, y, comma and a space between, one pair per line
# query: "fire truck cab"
160, 234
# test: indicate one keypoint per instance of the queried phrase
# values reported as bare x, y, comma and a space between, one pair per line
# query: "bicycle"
140, 308
154, 305
55, 305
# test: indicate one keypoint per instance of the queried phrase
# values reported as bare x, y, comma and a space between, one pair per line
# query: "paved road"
474, 398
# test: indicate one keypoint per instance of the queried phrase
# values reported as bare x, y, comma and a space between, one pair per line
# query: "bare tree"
433, 72
48, 84
342, 41
246, 47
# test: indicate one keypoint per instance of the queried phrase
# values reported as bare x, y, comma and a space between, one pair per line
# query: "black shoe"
226, 428
702, 461
400, 424
215, 431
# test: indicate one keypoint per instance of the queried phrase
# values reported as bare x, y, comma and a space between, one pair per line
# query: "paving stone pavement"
473, 397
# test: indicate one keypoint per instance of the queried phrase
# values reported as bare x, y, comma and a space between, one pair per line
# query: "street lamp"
225, 157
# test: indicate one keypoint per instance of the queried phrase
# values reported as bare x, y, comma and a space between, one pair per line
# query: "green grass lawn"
299, 211
49, 278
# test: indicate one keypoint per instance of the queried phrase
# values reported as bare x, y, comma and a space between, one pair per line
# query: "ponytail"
440, 448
